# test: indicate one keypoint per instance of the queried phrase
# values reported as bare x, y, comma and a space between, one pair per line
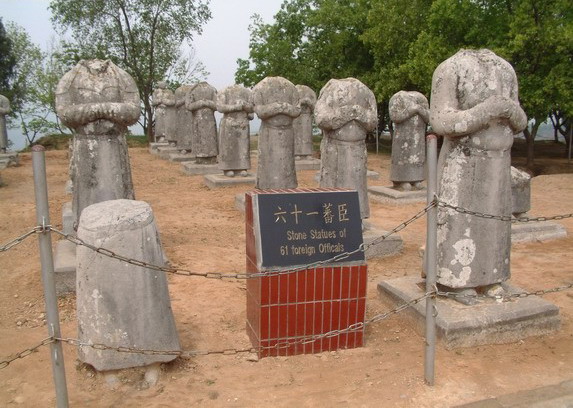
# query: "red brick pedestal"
285, 311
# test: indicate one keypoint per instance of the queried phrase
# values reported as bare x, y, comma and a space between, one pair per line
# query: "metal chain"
506, 297
220, 275
19, 240
25, 353
502, 217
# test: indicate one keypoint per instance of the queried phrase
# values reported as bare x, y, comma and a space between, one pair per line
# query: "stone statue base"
390, 246
165, 151
370, 174
214, 181
153, 147
9, 159
65, 267
192, 169
392, 196
309, 163
488, 322
181, 157
537, 231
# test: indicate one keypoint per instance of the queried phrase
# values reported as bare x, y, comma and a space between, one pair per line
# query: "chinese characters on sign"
299, 228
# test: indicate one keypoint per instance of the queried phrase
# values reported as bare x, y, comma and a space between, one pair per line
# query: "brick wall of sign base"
282, 310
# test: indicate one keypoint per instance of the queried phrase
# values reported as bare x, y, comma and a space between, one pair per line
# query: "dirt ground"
202, 231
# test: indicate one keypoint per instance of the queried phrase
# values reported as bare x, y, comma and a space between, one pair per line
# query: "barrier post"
431, 247
45, 242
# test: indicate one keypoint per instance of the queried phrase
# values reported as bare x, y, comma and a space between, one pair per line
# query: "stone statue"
345, 111
410, 113
276, 104
303, 124
202, 102
184, 120
474, 105
236, 104
4, 110
98, 100
165, 113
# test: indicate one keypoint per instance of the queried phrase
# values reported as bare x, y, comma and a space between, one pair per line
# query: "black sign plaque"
305, 227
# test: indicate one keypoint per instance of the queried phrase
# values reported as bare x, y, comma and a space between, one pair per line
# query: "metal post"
431, 247
45, 241
570, 141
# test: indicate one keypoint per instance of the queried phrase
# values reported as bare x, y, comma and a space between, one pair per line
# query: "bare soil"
202, 231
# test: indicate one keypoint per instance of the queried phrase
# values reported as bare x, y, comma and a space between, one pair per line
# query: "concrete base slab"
191, 168
488, 322
390, 246
307, 164
65, 267
67, 218
154, 146
165, 152
181, 157
240, 202
373, 175
392, 196
537, 231
214, 181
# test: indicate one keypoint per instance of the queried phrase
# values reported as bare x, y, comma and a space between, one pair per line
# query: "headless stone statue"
4, 110
236, 104
345, 111
99, 101
165, 113
520, 192
276, 104
184, 120
119, 304
202, 102
475, 106
303, 124
410, 113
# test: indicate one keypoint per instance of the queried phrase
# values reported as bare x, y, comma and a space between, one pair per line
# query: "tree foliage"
7, 60
147, 38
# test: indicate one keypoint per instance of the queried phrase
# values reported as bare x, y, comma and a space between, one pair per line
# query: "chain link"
505, 297
502, 217
25, 353
19, 240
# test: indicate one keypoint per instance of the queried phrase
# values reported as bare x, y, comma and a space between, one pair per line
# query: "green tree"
7, 60
147, 38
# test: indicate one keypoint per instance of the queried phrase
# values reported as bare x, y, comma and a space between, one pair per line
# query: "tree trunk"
530, 140
148, 124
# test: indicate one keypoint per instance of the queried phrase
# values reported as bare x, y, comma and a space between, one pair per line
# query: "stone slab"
489, 322
307, 164
10, 159
192, 169
154, 146
393, 196
166, 151
214, 181
69, 188
371, 174
181, 157
67, 218
240, 202
537, 231
65, 267
389, 246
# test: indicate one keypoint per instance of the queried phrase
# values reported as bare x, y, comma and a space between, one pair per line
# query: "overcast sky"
225, 37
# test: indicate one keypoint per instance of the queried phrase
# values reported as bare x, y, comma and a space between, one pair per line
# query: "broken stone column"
475, 106
184, 120
520, 192
303, 124
345, 111
276, 104
99, 101
119, 304
236, 104
4, 110
202, 102
165, 113
410, 113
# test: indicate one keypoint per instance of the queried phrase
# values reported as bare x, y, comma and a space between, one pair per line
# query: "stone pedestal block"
392, 196
488, 322
154, 147
67, 218
191, 168
214, 181
537, 231
371, 174
119, 304
307, 164
389, 246
165, 151
65, 267
181, 157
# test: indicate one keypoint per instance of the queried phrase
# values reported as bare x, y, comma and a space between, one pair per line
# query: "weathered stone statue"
4, 110
410, 113
303, 124
99, 101
276, 104
202, 102
345, 111
474, 105
236, 104
119, 304
184, 120
165, 113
